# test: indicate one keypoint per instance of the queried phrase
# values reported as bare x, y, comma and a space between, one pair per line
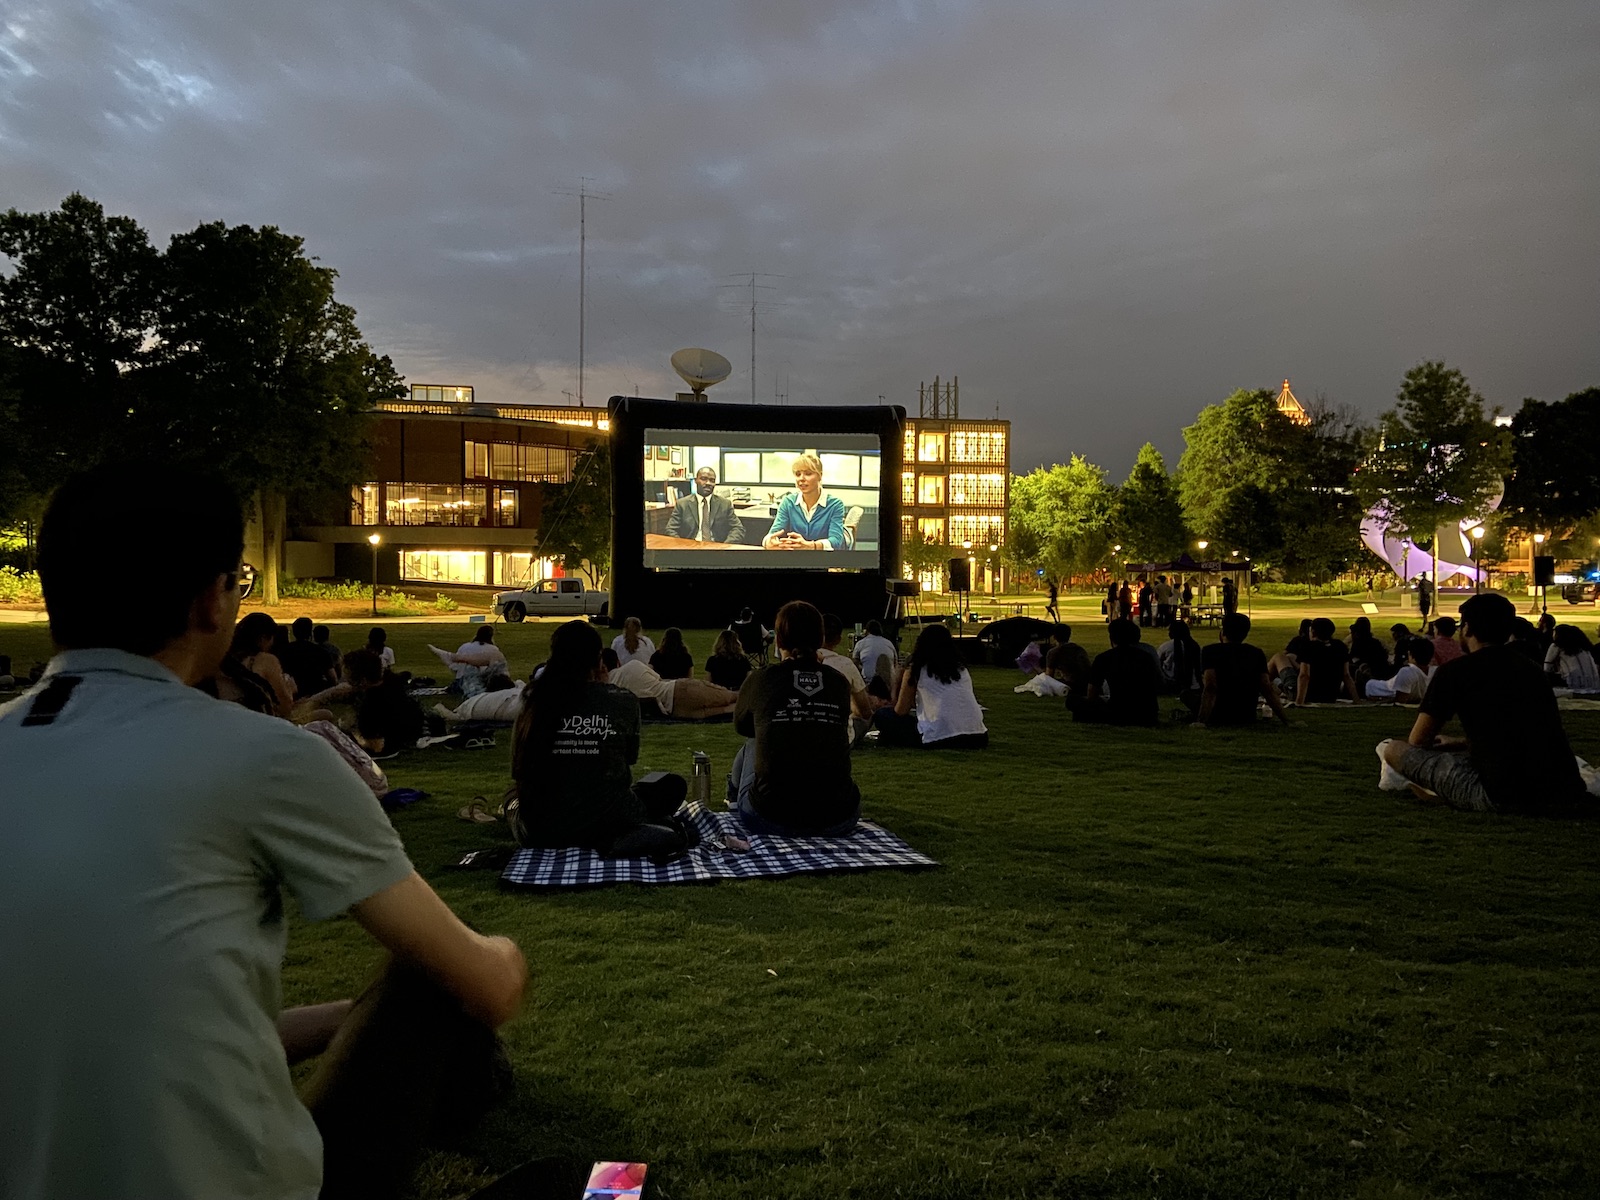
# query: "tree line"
226, 349
1291, 495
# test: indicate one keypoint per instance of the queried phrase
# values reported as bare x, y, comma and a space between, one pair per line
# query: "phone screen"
620, 1179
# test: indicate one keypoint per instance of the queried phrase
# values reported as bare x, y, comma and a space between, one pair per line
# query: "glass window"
778, 468
910, 454
981, 529
908, 487
931, 528
741, 468
979, 446
513, 569
841, 470
364, 504
930, 489
435, 504
930, 448
869, 470
505, 506
443, 566
975, 489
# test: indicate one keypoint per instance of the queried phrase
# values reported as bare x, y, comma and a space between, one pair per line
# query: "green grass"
1168, 963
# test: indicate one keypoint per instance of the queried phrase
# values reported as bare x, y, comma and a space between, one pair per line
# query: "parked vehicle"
552, 598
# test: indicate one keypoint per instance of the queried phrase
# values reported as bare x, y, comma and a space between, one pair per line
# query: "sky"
1099, 217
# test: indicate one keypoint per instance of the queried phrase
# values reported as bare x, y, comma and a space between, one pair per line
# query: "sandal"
478, 812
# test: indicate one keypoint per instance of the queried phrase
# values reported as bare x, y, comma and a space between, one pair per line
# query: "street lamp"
1202, 543
1533, 573
1477, 564
372, 540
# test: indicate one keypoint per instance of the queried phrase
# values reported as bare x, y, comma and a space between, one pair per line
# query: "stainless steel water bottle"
700, 788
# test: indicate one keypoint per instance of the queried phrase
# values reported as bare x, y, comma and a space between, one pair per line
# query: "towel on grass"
870, 846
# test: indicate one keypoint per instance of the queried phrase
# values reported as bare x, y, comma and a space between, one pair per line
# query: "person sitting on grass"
572, 756
1284, 666
1410, 682
323, 637
1123, 683
1515, 756
673, 660
1234, 676
1445, 647
305, 662
378, 643
251, 651
1570, 660
146, 1053
1325, 669
474, 662
1179, 660
791, 778
862, 705
875, 654
632, 644
1068, 662
939, 687
1369, 658
684, 699
728, 665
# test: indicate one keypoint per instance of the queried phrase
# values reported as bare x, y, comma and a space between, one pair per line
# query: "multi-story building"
955, 489
455, 494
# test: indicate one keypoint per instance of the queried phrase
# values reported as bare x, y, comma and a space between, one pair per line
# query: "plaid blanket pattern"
870, 846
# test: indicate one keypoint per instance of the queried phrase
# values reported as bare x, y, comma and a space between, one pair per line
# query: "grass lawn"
1169, 963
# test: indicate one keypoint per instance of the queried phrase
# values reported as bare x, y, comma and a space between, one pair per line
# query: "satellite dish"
700, 368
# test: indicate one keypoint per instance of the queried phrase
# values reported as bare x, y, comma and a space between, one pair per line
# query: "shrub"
323, 589
1338, 587
395, 603
443, 603
20, 587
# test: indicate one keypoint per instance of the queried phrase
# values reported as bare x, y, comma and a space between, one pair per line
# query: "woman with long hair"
1179, 659
673, 660
728, 664
572, 756
1571, 659
251, 651
631, 644
939, 687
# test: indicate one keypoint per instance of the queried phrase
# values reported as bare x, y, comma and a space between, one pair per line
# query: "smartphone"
609, 1179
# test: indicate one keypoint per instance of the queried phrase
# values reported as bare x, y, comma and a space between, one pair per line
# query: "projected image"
724, 500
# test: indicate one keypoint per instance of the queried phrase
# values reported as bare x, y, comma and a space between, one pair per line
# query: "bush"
20, 587
443, 603
395, 603
1339, 587
323, 589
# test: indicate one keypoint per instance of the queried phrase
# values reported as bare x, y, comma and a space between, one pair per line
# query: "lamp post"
1477, 559
1533, 571
372, 540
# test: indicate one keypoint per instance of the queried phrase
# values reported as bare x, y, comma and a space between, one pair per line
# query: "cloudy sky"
1099, 216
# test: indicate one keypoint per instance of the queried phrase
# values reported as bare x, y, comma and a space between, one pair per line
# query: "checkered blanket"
769, 857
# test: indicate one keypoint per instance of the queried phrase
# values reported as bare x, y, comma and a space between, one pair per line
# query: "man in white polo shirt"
152, 834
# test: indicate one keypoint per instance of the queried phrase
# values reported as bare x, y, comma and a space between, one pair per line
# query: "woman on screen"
807, 519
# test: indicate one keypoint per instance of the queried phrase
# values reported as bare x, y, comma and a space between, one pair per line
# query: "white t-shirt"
1409, 679
478, 654
946, 710
1577, 671
841, 664
642, 654
871, 648
640, 678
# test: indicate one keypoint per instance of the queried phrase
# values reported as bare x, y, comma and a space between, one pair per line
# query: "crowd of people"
154, 1057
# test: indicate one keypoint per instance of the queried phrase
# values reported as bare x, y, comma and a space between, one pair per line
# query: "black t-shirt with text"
1132, 678
1239, 667
578, 790
1509, 715
798, 711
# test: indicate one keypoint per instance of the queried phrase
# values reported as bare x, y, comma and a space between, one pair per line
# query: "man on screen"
705, 516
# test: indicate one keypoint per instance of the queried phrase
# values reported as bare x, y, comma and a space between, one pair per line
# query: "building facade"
455, 493
955, 490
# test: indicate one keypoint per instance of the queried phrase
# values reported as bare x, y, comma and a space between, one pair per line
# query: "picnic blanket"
869, 847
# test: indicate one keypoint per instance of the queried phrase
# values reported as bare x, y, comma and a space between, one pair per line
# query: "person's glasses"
245, 580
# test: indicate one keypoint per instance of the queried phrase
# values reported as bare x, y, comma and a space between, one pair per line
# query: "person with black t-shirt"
673, 660
792, 778
1515, 756
573, 750
1325, 669
305, 662
1234, 676
1369, 658
387, 718
1123, 683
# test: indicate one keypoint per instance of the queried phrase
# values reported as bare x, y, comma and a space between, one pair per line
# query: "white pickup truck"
552, 598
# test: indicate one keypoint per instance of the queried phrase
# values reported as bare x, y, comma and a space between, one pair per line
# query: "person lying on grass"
572, 756
792, 775
1234, 676
155, 835
1410, 682
1515, 756
685, 699
939, 686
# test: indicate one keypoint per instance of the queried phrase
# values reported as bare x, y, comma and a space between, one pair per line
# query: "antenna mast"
754, 287
584, 195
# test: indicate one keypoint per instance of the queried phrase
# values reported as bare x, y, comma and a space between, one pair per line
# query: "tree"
1149, 512
1555, 467
1061, 519
1436, 458
575, 517
76, 317
1236, 444
923, 554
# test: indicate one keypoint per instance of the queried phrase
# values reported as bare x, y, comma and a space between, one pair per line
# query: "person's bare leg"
694, 699
306, 1031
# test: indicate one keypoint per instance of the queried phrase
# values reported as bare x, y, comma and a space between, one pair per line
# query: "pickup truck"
552, 598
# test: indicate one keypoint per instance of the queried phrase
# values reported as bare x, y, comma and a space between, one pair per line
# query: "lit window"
931, 529
930, 448
930, 489
908, 487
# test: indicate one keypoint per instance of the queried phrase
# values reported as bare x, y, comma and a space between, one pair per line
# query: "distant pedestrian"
1051, 610
1424, 598
1230, 597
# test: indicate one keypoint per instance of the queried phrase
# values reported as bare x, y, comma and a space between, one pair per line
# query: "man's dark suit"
685, 519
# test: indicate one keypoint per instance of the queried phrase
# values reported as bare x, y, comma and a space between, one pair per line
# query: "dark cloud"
1100, 217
